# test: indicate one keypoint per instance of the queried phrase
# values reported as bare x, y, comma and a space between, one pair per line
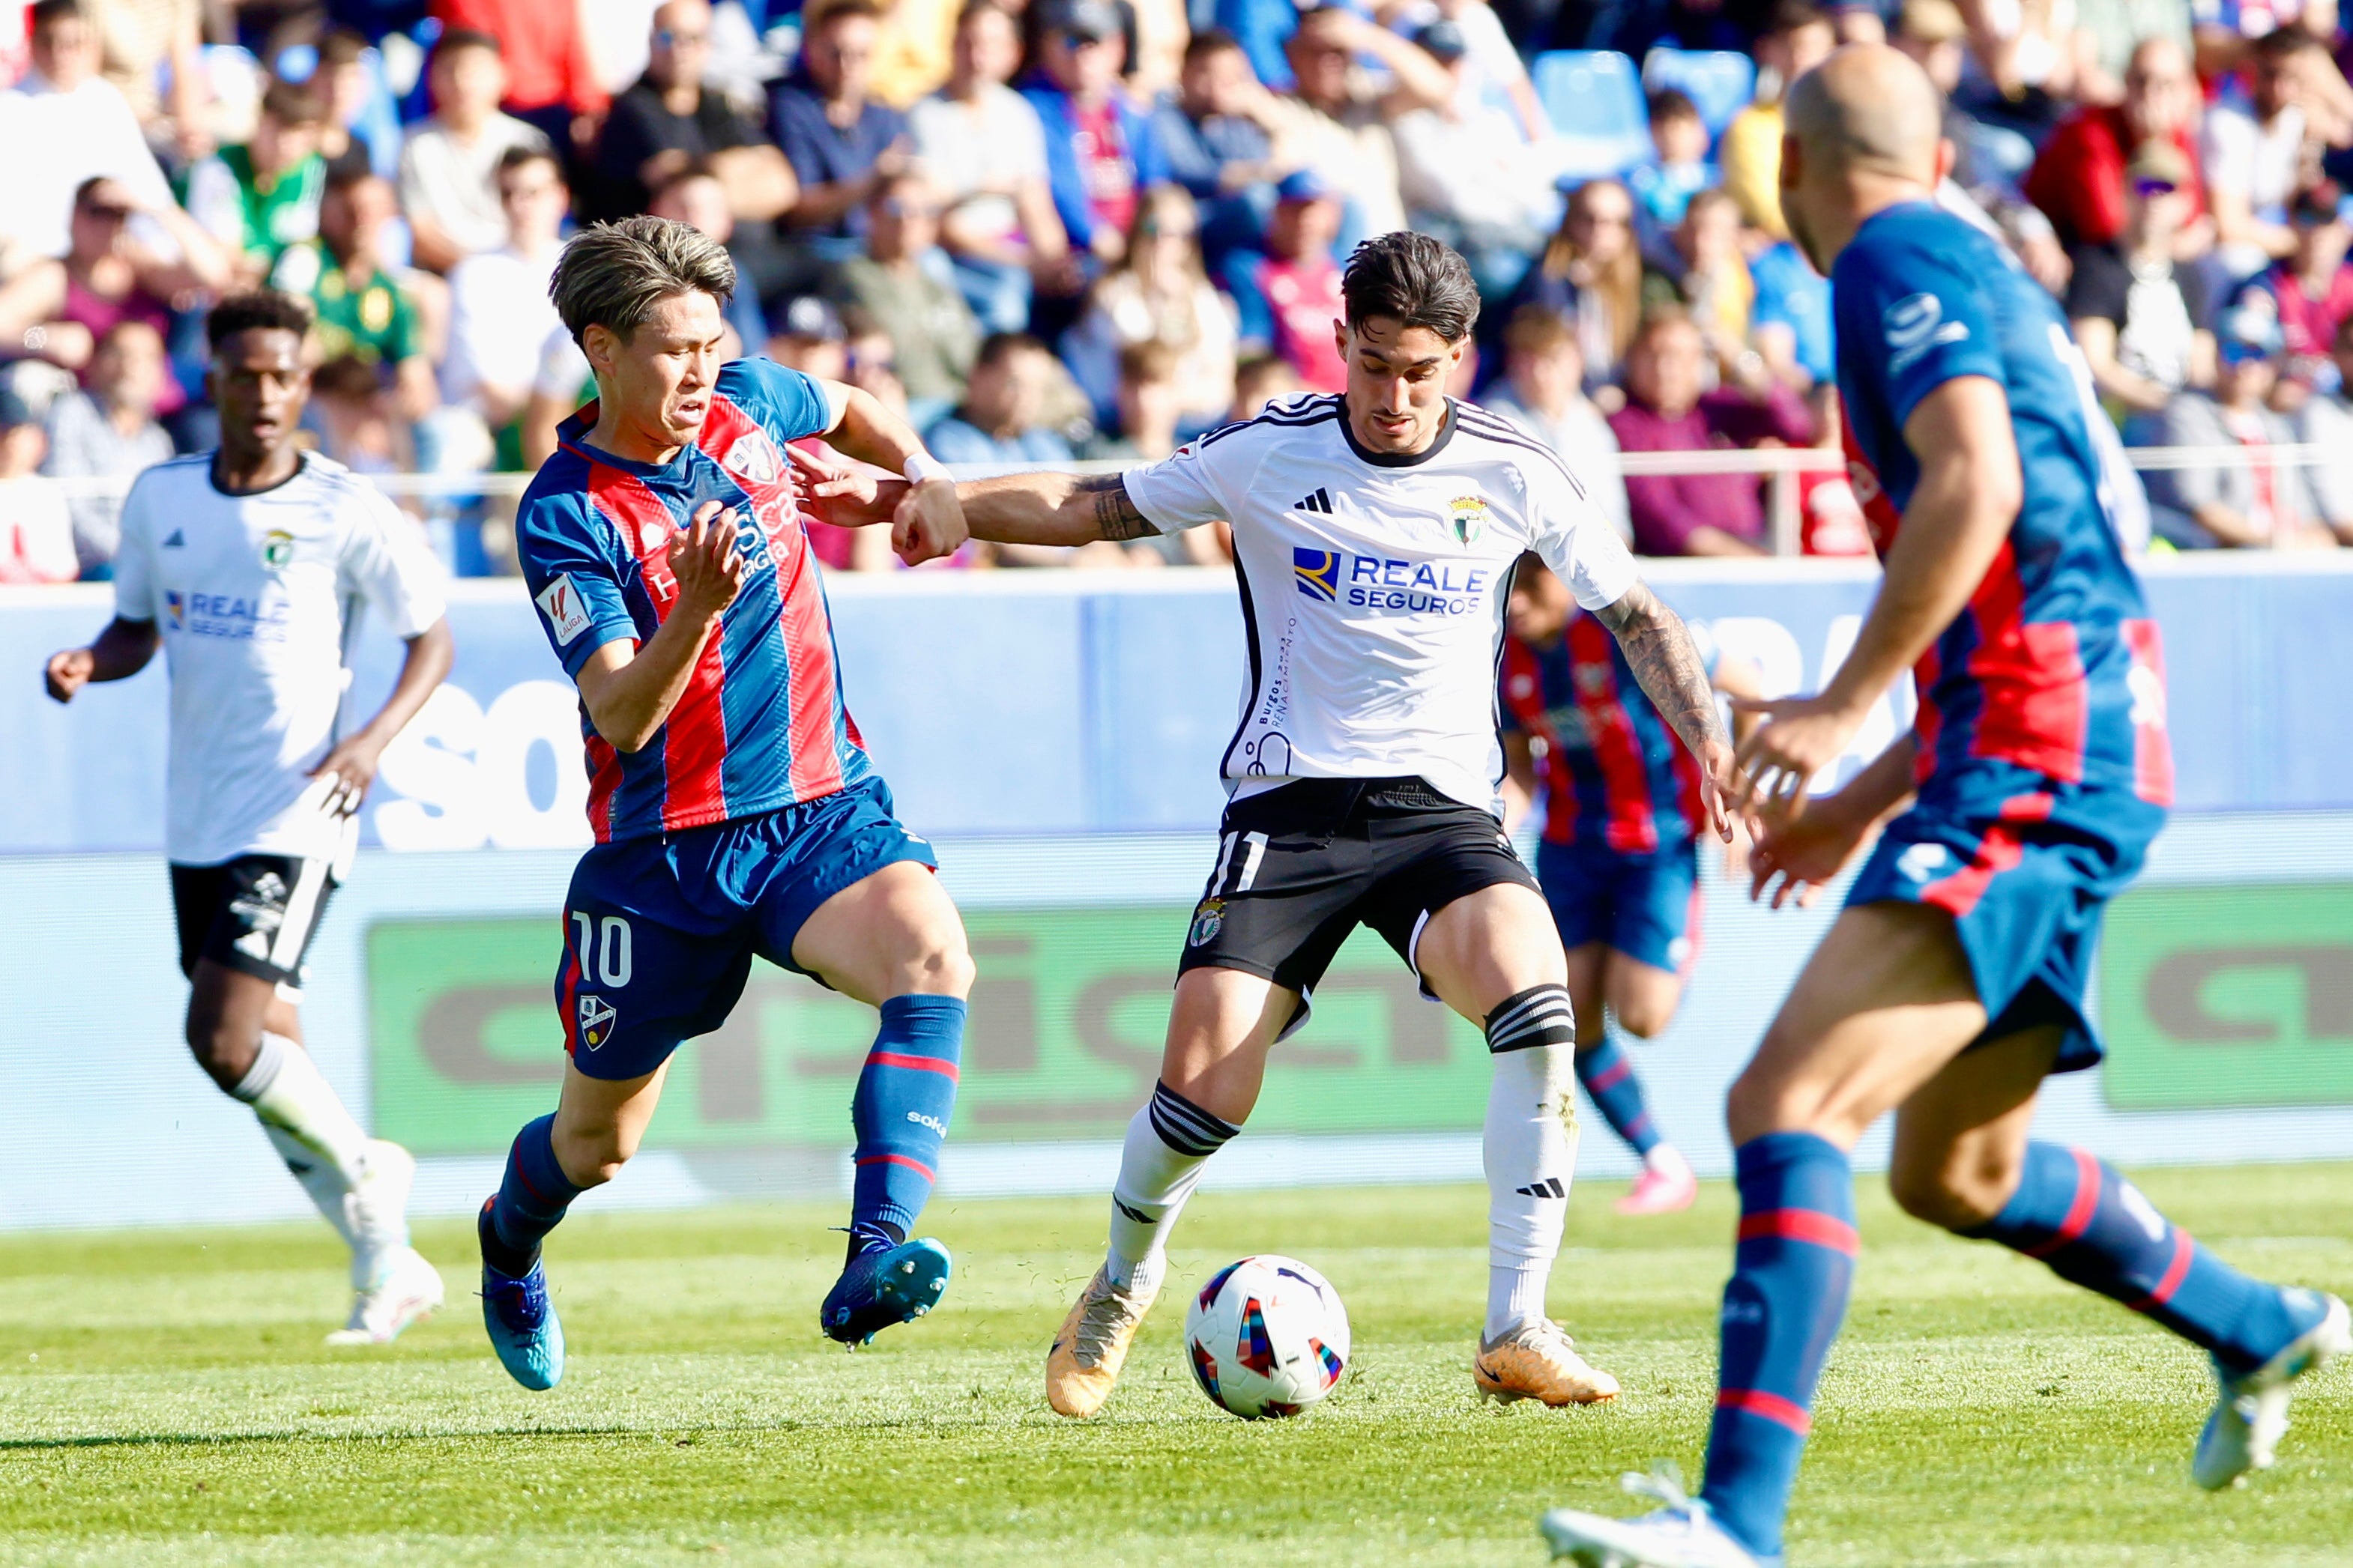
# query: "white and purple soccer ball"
1266, 1337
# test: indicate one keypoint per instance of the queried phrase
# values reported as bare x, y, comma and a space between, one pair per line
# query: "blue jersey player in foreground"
1618, 858
2026, 796
735, 810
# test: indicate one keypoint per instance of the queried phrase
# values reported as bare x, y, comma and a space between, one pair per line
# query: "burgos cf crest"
1466, 518
598, 1019
1208, 921
1318, 571
277, 548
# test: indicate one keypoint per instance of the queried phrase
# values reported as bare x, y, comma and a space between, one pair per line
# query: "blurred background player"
734, 808
246, 565
1619, 855
1363, 777
2024, 798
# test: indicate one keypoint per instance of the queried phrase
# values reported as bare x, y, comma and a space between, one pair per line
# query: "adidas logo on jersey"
1321, 501
177, 541
1549, 1187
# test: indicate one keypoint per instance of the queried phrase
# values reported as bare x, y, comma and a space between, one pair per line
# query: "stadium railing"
1779, 466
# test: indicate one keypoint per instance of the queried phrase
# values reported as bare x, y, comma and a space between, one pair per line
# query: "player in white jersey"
247, 566
1375, 534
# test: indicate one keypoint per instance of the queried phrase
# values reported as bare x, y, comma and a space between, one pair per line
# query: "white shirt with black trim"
1372, 585
256, 597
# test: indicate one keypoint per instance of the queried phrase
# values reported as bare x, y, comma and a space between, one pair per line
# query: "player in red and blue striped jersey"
735, 810
1618, 858
1954, 981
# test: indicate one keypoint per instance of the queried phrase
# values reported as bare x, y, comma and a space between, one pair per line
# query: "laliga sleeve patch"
566, 613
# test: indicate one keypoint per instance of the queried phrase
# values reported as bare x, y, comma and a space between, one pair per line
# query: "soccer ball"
1266, 1336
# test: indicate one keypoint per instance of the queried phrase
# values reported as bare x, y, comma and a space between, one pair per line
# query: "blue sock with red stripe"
1608, 1079
1790, 1274
2095, 1229
905, 1093
531, 1201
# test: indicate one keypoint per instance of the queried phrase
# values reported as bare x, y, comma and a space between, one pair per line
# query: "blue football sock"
1608, 1078
1791, 1272
531, 1201
2095, 1229
905, 1093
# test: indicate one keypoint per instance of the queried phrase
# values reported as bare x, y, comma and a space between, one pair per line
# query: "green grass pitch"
164, 1399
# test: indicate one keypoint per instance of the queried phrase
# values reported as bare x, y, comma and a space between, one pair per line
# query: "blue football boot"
2248, 1418
523, 1324
884, 1288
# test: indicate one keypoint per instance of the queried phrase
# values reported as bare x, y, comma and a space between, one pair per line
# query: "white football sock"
1515, 1294
307, 1124
1168, 1144
1529, 1150
322, 1179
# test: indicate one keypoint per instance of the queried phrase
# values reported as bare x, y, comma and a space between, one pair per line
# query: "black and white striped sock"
1184, 1126
1168, 1143
1540, 1016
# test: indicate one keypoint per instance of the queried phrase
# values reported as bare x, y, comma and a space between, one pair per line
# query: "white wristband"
922, 466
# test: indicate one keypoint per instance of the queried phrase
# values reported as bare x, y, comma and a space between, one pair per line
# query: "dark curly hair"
259, 310
1413, 280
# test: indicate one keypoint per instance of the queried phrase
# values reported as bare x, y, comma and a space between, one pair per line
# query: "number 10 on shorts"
605, 963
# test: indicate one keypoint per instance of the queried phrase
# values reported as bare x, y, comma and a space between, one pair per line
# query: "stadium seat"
1720, 82
1594, 100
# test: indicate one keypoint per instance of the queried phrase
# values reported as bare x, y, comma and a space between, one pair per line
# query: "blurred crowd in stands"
1058, 229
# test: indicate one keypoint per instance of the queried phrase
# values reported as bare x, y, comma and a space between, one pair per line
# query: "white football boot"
2252, 1413
389, 1280
407, 1291
1680, 1533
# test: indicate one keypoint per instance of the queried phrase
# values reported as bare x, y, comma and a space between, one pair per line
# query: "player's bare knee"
594, 1156
1643, 1018
223, 1048
1959, 1186
1750, 1107
948, 968
932, 962
1762, 1100
1942, 1194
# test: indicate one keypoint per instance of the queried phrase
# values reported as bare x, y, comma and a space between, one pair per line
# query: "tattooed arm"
1052, 509
1659, 646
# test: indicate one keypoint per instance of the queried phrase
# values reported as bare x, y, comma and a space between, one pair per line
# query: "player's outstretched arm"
628, 689
1970, 490
1740, 680
928, 521
1052, 509
355, 758
1673, 676
118, 653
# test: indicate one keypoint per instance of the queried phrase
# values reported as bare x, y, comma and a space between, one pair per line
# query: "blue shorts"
659, 932
1644, 906
2025, 865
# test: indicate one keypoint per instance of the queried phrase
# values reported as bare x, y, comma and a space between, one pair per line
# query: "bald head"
1867, 108
681, 44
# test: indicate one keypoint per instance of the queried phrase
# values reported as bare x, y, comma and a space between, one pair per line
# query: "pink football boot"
1665, 1186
